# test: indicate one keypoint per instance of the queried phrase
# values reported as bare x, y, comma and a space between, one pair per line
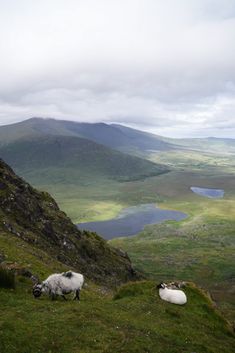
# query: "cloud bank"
167, 67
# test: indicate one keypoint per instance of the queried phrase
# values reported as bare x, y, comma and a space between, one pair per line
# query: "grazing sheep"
60, 284
174, 296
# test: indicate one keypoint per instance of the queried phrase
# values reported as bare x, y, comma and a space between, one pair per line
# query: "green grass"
67, 159
194, 160
139, 323
24, 255
89, 200
131, 319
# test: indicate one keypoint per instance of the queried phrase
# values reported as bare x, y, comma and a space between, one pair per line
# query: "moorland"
147, 169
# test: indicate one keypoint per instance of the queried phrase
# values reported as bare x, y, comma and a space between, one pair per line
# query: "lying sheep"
60, 284
174, 296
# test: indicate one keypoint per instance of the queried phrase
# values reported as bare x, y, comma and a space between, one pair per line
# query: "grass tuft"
129, 290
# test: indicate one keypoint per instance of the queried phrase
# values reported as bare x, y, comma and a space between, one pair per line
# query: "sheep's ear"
159, 285
68, 274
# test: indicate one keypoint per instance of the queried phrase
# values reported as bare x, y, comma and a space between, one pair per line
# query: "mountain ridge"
111, 135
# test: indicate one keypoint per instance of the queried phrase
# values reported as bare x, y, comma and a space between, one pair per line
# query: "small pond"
211, 193
131, 221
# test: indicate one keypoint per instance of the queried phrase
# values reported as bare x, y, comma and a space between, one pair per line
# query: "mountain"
113, 136
57, 154
35, 218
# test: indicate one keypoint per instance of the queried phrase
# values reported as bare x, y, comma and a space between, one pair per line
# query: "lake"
211, 193
131, 221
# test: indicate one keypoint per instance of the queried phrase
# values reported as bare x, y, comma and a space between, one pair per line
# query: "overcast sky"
165, 66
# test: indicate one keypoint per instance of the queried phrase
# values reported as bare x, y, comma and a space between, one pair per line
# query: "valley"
200, 248
91, 183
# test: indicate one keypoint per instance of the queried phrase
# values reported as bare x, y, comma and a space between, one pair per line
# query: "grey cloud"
167, 67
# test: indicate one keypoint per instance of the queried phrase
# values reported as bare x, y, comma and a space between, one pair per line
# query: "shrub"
7, 278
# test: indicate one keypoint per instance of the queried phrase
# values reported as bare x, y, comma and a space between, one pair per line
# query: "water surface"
211, 193
131, 221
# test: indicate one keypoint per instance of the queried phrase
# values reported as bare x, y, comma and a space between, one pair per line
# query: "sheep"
60, 284
174, 296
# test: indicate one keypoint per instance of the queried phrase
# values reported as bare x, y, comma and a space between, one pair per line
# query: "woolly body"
174, 296
61, 284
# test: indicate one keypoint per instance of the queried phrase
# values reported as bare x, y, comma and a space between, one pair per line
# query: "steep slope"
35, 218
82, 156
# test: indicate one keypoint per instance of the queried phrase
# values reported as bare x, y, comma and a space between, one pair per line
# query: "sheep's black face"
37, 290
161, 285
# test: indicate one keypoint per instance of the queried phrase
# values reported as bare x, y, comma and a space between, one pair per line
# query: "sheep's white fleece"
174, 296
60, 285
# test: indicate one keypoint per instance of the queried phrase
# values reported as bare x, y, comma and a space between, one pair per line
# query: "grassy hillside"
132, 319
136, 324
67, 159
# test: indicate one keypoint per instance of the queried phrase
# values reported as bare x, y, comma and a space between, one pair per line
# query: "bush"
7, 278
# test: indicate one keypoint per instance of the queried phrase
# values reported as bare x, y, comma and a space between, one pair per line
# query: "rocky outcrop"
36, 218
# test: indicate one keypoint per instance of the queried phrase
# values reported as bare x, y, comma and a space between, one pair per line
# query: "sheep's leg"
77, 296
53, 296
64, 297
